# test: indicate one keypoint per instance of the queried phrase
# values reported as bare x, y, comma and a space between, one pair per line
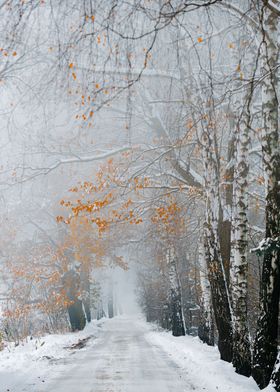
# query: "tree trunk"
265, 349
239, 267
219, 294
216, 271
224, 226
76, 315
85, 288
206, 327
86, 303
71, 284
177, 318
111, 303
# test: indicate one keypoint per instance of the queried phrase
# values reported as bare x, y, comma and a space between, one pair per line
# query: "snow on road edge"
202, 364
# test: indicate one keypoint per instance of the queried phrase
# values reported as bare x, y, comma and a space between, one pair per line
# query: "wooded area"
143, 135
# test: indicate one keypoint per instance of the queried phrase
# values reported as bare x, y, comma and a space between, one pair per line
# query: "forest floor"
118, 355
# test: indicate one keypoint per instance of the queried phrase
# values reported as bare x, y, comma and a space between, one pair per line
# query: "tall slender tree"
265, 348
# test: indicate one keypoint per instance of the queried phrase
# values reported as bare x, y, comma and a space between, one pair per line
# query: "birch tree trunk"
239, 266
265, 349
226, 209
216, 271
206, 327
85, 288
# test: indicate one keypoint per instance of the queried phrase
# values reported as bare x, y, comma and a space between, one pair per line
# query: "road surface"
122, 360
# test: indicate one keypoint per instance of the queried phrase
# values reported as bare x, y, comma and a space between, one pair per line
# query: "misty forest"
140, 195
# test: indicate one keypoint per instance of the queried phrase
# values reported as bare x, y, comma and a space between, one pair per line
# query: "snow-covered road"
121, 361
123, 354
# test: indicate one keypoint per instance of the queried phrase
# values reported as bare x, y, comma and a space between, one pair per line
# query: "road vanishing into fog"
122, 360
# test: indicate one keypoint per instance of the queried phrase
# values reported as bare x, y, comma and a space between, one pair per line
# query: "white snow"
202, 365
269, 388
26, 366
123, 355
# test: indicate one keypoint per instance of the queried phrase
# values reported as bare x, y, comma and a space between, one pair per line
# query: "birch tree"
206, 328
239, 268
216, 271
265, 347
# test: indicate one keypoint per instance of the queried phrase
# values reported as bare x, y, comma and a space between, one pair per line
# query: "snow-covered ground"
122, 355
29, 365
203, 367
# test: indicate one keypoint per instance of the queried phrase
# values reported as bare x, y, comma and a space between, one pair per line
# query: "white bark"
207, 328
239, 250
216, 271
265, 350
